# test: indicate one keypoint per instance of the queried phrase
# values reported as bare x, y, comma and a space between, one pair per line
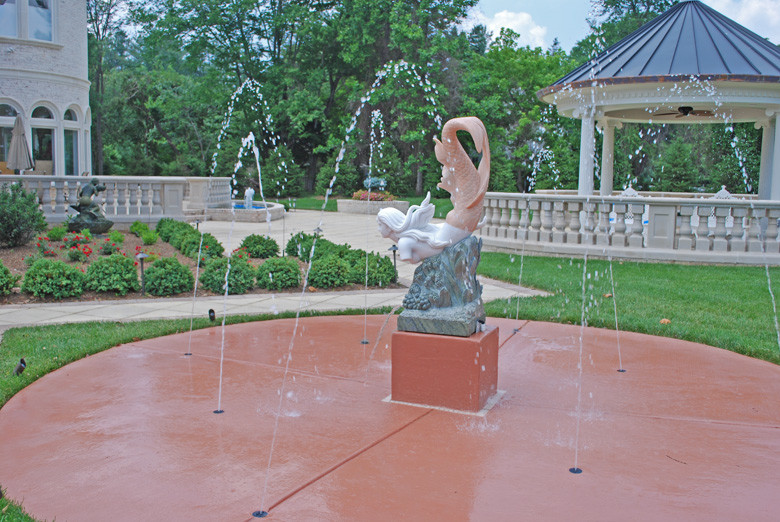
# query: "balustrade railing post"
589, 227
619, 236
770, 240
514, 219
133, 189
121, 198
573, 226
534, 207
559, 222
503, 220
719, 241
703, 242
602, 232
545, 234
685, 233
635, 238
738, 241
755, 241
146, 199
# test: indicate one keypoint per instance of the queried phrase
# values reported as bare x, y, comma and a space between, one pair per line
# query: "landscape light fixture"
140, 256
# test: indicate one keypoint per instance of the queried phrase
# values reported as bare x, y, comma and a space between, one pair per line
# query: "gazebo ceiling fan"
686, 110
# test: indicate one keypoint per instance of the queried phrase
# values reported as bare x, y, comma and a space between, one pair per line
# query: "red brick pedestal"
460, 373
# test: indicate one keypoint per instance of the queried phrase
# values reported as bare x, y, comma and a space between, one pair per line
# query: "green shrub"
116, 237
299, 245
53, 278
260, 247
75, 239
168, 277
57, 233
108, 247
45, 248
139, 227
32, 258
164, 227
240, 280
115, 273
7, 280
181, 234
20, 217
279, 273
85, 233
78, 253
211, 246
149, 237
329, 272
381, 271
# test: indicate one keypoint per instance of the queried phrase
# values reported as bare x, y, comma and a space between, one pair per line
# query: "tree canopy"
357, 87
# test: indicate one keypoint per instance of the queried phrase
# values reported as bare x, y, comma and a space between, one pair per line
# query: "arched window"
7, 110
42, 112
70, 115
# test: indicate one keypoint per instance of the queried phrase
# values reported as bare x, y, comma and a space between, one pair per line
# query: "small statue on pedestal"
90, 215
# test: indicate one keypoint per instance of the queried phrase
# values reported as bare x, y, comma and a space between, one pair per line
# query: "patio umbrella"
19, 152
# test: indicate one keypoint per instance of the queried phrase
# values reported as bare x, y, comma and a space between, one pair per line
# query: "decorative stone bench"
355, 206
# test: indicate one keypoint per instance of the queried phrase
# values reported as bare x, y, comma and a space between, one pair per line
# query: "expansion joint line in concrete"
346, 460
514, 332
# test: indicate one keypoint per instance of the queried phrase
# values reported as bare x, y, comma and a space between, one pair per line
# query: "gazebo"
689, 65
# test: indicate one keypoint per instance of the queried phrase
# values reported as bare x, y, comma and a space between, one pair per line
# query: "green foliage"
7, 280
76, 238
260, 247
167, 276
53, 278
299, 245
165, 227
149, 237
240, 280
20, 217
57, 233
116, 237
108, 247
329, 271
78, 253
116, 273
279, 273
139, 227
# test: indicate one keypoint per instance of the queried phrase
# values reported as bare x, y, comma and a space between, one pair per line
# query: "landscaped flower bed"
74, 259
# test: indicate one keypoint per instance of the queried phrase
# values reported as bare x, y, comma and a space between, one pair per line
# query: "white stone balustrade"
126, 199
739, 231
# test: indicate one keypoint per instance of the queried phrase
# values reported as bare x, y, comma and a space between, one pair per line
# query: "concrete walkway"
356, 229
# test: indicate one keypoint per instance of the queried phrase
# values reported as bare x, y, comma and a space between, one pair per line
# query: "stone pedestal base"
445, 371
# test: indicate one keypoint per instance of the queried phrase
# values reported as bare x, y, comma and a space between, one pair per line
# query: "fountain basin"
688, 432
257, 214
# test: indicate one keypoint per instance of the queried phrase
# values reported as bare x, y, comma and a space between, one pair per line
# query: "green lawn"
443, 205
725, 306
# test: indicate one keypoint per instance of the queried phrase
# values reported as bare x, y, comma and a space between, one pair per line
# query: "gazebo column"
587, 152
608, 155
767, 144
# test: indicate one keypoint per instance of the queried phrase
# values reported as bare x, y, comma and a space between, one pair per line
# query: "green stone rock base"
460, 321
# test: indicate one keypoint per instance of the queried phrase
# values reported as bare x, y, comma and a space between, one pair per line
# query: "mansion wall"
44, 79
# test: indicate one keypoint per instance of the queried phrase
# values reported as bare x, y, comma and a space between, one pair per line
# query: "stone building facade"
44, 78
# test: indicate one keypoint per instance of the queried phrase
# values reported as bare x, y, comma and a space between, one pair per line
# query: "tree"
104, 19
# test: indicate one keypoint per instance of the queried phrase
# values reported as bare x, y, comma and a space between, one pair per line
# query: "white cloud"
760, 16
522, 23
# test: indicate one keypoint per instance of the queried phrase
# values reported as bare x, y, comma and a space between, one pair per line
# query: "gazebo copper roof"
690, 39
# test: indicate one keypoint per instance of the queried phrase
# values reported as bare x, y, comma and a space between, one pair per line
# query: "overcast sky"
540, 21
